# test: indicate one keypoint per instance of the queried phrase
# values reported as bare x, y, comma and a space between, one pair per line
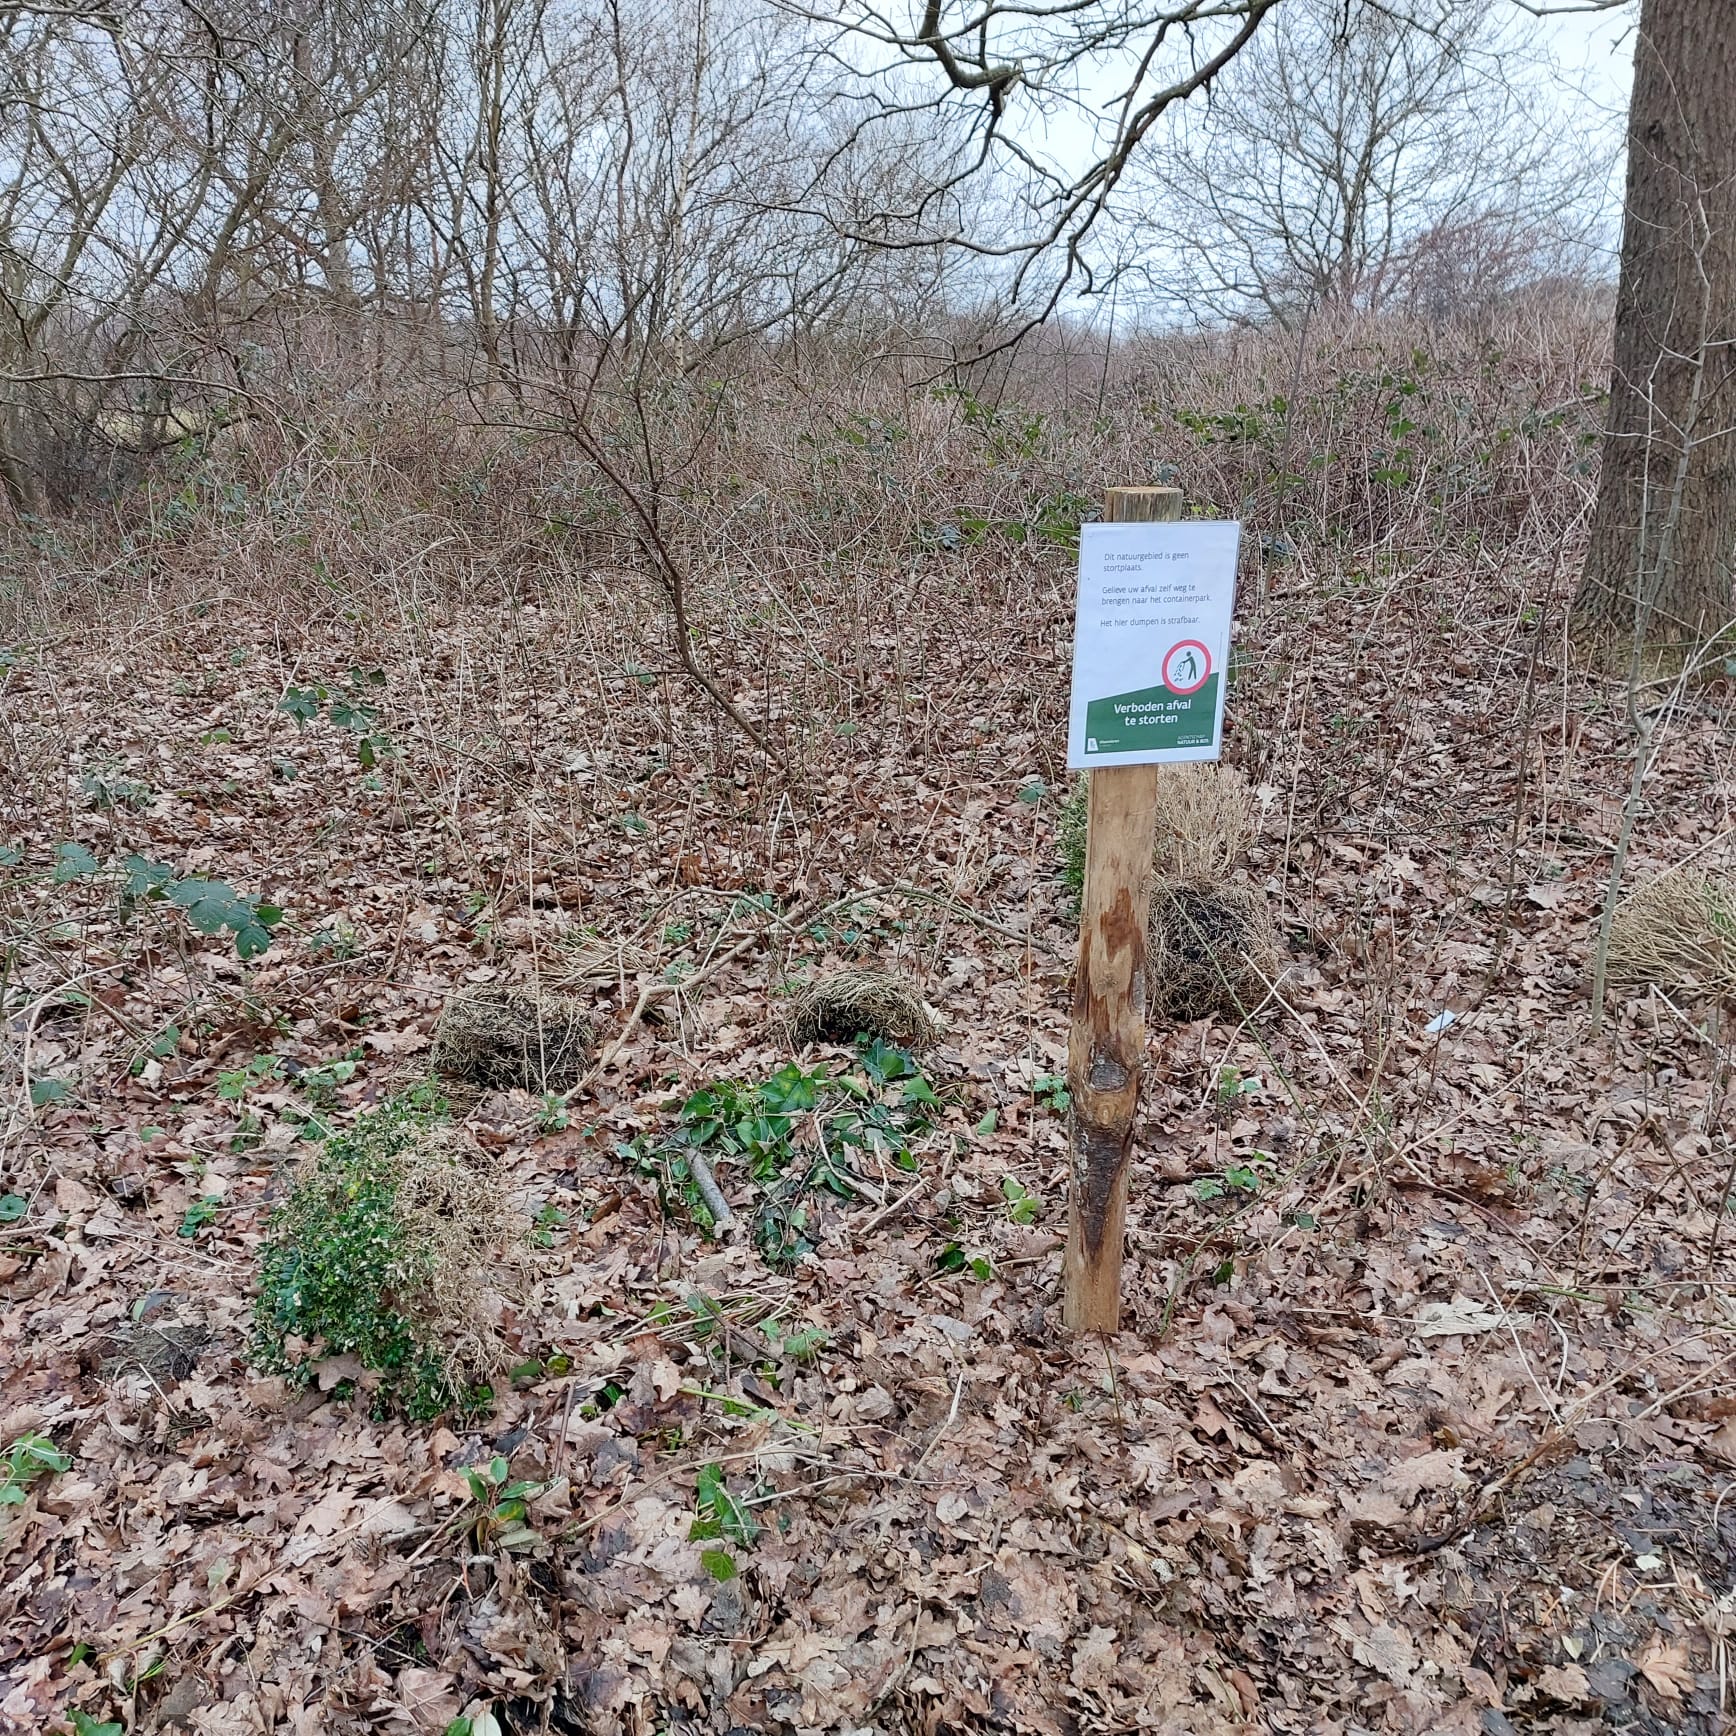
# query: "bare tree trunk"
20, 462
1673, 390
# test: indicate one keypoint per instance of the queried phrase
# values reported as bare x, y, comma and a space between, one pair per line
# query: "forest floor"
1421, 1419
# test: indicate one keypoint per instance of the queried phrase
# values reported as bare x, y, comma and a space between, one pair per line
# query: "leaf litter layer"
1421, 1420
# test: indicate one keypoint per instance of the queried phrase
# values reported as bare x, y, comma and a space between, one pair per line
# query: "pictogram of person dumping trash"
1186, 667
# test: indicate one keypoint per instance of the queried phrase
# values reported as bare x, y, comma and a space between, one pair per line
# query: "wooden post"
1107, 1044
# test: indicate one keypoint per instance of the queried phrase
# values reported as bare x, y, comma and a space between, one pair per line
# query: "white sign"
1151, 643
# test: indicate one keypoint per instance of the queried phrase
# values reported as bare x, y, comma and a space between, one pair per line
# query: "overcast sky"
1593, 72
1596, 49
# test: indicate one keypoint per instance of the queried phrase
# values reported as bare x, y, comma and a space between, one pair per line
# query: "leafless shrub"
1365, 158
1205, 822
1679, 933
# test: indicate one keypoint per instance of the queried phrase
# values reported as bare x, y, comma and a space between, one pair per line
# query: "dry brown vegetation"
1421, 1419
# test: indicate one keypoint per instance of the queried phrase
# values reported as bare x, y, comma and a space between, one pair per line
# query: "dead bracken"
860, 1002
503, 1037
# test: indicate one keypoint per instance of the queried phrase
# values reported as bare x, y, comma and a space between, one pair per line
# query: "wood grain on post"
1107, 1044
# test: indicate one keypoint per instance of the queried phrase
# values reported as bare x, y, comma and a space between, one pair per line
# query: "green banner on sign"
1152, 717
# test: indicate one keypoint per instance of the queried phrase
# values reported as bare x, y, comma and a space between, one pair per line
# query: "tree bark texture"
1664, 530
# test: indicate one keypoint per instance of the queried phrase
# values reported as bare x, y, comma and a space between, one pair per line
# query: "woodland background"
503, 494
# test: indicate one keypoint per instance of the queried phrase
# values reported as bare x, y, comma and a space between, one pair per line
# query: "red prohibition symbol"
1186, 667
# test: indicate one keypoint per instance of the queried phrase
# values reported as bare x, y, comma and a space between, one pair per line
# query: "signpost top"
1151, 638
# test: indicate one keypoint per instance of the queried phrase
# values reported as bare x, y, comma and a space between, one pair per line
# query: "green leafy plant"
302, 703
722, 1513
1058, 516
799, 1129
108, 790
320, 1084
27, 1460
1050, 1089
502, 1505
879, 1106
1022, 1205
201, 1214
83, 1724
234, 1085
954, 1260
159, 1048
1232, 1087
1243, 1178
74, 862
336, 938
346, 710
804, 1344
375, 1252
210, 906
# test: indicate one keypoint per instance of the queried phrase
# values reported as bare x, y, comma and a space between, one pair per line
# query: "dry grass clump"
597, 959
164, 1350
1205, 823
1679, 933
857, 1002
453, 1212
1210, 946
501, 1037
1209, 949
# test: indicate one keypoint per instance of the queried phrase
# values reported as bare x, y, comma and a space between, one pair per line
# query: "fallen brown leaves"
1421, 1422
